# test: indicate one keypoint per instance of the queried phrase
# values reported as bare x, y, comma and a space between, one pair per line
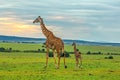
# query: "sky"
90, 20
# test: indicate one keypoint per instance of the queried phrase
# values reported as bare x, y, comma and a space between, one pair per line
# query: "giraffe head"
73, 44
38, 19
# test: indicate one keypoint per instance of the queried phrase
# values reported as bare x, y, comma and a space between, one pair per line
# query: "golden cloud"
11, 26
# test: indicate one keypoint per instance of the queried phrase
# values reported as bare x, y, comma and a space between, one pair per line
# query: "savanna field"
30, 66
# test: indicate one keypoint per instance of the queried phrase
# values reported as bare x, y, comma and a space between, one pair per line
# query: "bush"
94, 53
108, 53
16, 51
106, 57
9, 50
71, 52
88, 52
50, 54
38, 50
62, 55
66, 54
99, 53
34, 51
109, 57
2, 49
43, 50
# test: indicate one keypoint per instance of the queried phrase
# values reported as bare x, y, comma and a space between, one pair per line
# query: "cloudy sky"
91, 20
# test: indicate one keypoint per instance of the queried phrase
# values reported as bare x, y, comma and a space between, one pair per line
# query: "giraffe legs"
47, 56
64, 58
77, 62
54, 58
58, 61
80, 62
64, 61
58, 54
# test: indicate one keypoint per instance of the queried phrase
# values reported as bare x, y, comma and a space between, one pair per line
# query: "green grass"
103, 49
29, 66
21, 46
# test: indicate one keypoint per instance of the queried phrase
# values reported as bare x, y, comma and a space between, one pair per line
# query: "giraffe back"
55, 43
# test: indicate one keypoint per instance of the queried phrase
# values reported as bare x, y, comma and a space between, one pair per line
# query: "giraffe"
77, 55
52, 42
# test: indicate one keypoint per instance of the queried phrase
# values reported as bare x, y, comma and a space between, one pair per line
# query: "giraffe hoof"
65, 66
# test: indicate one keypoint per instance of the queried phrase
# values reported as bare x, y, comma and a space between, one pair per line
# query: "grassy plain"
83, 48
29, 66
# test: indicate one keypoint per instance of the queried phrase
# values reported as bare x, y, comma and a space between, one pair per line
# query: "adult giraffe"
52, 42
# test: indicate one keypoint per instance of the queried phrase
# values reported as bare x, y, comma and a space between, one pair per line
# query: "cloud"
10, 26
57, 31
75, 19
57, 17
18, 27
77, 32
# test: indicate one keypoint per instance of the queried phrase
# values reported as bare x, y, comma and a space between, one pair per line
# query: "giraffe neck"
45, 31
75, 48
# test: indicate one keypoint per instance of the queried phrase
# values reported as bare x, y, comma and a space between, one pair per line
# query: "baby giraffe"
77, 55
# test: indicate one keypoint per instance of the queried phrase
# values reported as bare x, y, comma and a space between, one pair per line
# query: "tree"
10, 49
43, 50
88, 52
2, 49
38, 50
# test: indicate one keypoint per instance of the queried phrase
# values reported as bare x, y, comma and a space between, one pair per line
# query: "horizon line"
62, 39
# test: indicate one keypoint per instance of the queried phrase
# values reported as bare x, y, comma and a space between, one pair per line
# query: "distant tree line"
109, 57
100, 53
67, 54
94, 53
17, 42
2, 49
